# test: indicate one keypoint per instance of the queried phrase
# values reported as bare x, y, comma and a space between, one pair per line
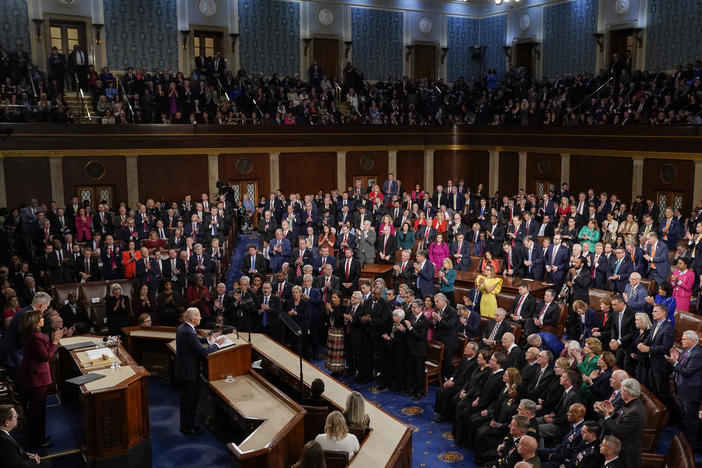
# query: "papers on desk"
257, 365
96, 354
226, 342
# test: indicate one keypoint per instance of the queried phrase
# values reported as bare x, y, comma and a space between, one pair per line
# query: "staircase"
72, 99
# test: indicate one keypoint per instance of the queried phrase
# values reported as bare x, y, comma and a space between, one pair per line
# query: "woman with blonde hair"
336, 435
355, 412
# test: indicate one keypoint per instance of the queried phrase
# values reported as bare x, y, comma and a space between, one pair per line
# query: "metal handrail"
31, 80
337, 89
221, 90
587, 98
81, 97
125, 98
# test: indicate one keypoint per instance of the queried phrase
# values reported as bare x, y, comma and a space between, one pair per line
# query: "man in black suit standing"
546, 313
174, 270
623, 331
657, 344
453, 385
555, 424
10, 451
446, 329
189, 351
416, 327
269, 310
253, 263
379, 328
349, 272
628, 424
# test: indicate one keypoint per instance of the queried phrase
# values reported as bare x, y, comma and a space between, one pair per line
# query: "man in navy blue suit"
189, 352
532, 266
619, 271
147, 271
657, 256
556, 261
201, 264
280, 250
460, 253
111, 260
670, 229
425, 274
658, 343
688, 381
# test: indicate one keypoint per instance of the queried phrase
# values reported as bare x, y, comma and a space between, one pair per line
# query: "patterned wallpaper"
568, 43
493, 34
14, 24
141, 34
462, 32
377, 42
269, 36
672, 34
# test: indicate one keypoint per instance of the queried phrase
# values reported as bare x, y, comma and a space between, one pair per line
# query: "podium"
115, 408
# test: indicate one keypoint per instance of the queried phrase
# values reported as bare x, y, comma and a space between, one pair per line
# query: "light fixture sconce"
637, 37
37, 23
508, 51
185, 33
234, 37
307, 41
599, 37
98, 30
409, 48
348, 45
444, 52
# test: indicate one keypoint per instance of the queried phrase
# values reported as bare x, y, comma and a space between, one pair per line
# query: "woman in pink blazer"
682, 281
83, 225
35, 375
438, 251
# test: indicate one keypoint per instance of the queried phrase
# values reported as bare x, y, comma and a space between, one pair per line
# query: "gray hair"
418, 302
635, 275
632, 386
613, 443
529, 405
244, 279
441, 296
114, 286
399, 312
358, 295
501, 311
533, 339
690, 334
306, 277
189, 312
509, 336
620, 374
40, 299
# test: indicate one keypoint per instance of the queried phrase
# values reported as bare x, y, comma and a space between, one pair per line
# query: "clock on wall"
622, 6
207, 7
425, 24
325, 16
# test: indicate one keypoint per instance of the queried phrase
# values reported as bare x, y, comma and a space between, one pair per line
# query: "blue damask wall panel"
462, 33
269, 36
673, 33
568, 43
493, 34
141, 33
14, 24
377, 42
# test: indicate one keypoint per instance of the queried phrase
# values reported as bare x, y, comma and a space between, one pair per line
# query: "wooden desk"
466, 280
377, 270
149, 347
389, 443
115, 407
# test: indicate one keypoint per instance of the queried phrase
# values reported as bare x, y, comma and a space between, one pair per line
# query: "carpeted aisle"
234, 271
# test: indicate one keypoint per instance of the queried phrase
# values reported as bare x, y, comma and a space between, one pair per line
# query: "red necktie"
348, 267
298, 270
543, 311
604, 320
112, 256
519, 305
280, 289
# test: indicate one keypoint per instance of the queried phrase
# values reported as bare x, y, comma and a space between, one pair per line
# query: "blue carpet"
234, 271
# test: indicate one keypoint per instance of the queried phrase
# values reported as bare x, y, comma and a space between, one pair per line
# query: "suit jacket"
463, 371
321, 280
514, 260
150, 277
537, 269
189, 352
563, 450
318, 264
350, 242
167, 272
109, 273
366, 246
628, 426
405, 276
13, 454
560, 261
515, 358
34, 371
503, 328
637, 300
688, 374
498, 237
628, 329
626, 268
93, 269
178, 244
446, 329
389, 246
462, 263
472, 326
205, 269
674, 232
527, 310
425, 279
550, 317
537, 391
417, 336
660, 260
70, 319
259, 264
561, 409
581, 285
592, 320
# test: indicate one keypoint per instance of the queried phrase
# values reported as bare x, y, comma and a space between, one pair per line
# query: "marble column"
56, 176
132, 170
697, 190
637, 178
493, 171
392, 163
429, 170
3, 187
341, 170
274, 170
565, 169
213, 173
522, 170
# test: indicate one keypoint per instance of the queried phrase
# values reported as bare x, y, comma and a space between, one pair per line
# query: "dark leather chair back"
315, 419
656, 419
686, 321
335, 458
560, 327
60, 292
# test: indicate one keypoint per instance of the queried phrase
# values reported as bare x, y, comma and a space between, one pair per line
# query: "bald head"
527, 447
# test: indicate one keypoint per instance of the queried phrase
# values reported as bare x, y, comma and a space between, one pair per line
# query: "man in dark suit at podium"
189, 351
10, 450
